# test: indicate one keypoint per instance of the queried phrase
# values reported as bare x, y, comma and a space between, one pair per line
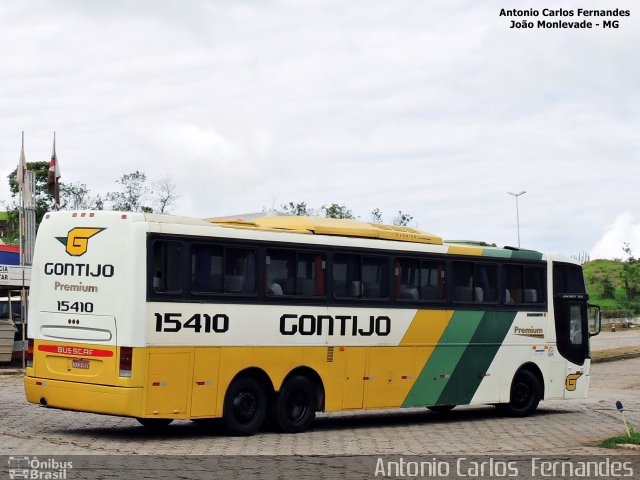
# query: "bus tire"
441, 408
154, 422
245, 406
524, 397
295, 406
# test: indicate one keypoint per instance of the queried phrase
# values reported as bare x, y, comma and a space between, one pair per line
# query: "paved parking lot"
557, 428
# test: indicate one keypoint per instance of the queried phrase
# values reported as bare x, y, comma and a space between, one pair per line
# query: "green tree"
376, 216
76, 196
43, 199
631, 275
337, 211
608, 289
133, 194
298, 209
402, 219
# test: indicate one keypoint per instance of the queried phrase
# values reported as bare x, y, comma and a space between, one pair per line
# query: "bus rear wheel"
525, 395
154, 422
245, 406
295, 405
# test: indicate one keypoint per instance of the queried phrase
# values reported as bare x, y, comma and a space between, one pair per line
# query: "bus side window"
280, 272
523, 284
346, 276
206, 268
239, 270
534, 291
310, 269
432, 281
167, 267
407, 273
463, 282
374, 277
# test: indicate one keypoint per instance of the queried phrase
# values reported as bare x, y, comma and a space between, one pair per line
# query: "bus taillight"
126, 361
29, 353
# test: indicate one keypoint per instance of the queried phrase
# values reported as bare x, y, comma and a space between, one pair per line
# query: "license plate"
80, 363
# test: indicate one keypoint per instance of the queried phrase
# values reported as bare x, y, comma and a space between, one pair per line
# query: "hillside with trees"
615, 285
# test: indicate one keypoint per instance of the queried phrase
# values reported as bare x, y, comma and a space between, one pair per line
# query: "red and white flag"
54, 175
21, 175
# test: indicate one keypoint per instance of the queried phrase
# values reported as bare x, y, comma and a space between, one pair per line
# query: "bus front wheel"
245, 406
525, 395
295, 405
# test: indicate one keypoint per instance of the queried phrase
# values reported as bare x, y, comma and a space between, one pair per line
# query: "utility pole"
517, 212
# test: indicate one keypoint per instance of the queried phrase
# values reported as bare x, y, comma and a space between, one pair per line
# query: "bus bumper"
109, 400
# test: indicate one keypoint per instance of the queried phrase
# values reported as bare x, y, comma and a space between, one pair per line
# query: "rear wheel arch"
315, 379
258, 374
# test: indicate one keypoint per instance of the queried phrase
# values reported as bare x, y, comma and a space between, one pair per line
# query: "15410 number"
200, 322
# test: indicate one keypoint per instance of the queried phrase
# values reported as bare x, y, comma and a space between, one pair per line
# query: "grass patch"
615, 354
621, 439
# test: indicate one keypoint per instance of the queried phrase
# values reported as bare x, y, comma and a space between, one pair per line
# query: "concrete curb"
628, 446
11, 371
614, 356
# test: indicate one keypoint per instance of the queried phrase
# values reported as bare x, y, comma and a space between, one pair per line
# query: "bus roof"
333, 226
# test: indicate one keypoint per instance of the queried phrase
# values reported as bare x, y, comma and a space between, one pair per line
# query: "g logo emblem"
77, 240
572, 381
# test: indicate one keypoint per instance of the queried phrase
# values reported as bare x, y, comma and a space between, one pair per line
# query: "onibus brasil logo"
34, 468
77, 240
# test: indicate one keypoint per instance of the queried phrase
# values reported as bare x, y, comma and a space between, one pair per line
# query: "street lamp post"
517, 212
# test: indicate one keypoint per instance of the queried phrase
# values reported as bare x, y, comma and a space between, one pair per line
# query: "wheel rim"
245, 406
297, 405
522, 395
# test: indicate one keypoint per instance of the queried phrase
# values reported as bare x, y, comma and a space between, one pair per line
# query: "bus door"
572, 330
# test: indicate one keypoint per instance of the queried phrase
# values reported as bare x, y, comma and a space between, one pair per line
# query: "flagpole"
21, 225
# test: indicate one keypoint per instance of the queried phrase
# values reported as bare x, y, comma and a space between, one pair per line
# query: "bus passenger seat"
430, 293
371, 290
408, 293
478, 294
530, 295
355, 289
463, 294
274, 289
233, 283
306, 287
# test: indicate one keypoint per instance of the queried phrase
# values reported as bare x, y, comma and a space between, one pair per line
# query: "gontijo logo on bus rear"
77, 240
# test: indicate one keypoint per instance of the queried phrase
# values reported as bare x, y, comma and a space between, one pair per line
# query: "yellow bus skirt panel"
84, 397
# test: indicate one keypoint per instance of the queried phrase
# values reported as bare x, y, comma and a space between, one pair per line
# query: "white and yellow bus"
162, 317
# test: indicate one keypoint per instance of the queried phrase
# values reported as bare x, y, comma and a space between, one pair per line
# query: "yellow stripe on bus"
458, 250
427, 327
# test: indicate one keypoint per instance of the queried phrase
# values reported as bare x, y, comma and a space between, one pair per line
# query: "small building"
13, 278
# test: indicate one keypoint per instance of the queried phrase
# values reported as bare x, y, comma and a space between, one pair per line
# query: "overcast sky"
435, 108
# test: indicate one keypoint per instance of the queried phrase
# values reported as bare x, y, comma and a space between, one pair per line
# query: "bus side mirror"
597, 322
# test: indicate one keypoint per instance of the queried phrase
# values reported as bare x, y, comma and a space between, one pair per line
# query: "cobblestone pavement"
558, 428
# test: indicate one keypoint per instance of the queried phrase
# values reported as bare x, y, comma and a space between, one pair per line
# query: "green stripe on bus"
436, 373
477, 358
497, 252
526, 255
